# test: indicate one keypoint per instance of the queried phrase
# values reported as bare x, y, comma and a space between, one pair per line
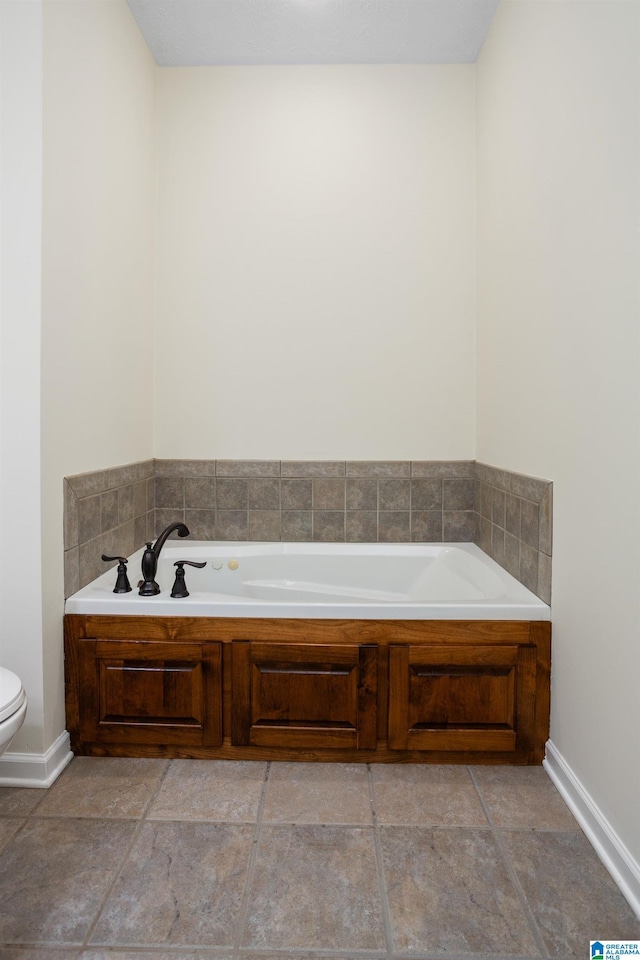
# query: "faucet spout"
149, 587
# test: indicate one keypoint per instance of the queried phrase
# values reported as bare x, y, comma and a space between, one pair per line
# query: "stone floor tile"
146, 954
8, 829
38, 953
210, 790
19, 801
181, 885
318, 793
570, 893
54, 875
450, 893
315, 886
523, 797
426, 795
103, 787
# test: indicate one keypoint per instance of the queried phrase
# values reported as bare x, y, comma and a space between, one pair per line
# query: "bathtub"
413, 581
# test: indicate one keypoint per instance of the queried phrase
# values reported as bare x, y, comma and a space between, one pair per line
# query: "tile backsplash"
116, 511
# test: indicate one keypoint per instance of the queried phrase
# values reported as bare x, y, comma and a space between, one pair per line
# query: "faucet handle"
180, 587
122, 580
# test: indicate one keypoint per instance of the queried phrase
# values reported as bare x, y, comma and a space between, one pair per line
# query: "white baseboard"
605, 841
35, 769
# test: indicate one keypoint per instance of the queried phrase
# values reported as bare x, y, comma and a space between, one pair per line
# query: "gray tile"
486, 501
37, 953
165, 516
395, 494
232, 525
297, 525
181, 885
426, 526
123, 475
328, 526
458, 526
71, 571
126, 509
89, 525
318, 793
264, 525
443, 468
528, 567
328, 493
200, 493
529, 523
19, 801
169, 493
450, 892
201, 523
145, 469
546, 522
361, 526
222, 790
498, 507
103, 787
512, 514
151, 494
70, 516
8, 830
529, 488
139, 489
139, 531
493, 476
146, 954
248, 468
426, 494
512, 555
312, 468
498, 544
426, 795
315, 885
544, 577
362, 493
458, 494
569, 891
232, 494
54, 875
185, 468
89, 484
378, 468
264, 494
522, 797
394, 526
483, 535
109, 510
296, 494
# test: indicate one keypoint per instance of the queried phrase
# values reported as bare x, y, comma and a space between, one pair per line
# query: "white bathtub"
374, 581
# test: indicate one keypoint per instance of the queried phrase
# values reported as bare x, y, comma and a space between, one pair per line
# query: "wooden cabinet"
373, 690
304, 695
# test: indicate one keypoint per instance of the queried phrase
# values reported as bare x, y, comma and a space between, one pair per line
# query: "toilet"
13, 706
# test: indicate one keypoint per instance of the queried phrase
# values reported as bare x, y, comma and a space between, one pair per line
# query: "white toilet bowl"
13, 706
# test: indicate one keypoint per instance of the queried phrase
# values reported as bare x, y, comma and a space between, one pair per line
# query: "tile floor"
188, 860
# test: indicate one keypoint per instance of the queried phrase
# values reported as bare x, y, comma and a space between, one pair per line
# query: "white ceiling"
189, 33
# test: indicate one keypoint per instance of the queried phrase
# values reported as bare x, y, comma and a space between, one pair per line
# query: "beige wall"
97, 268
315, 292
558, 349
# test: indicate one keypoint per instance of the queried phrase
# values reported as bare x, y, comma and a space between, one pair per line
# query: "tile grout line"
136, 833
253, 856
506, 859
384, 900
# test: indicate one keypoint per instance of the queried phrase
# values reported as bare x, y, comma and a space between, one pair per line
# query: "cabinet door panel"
304, 695
468, 698
149, 692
